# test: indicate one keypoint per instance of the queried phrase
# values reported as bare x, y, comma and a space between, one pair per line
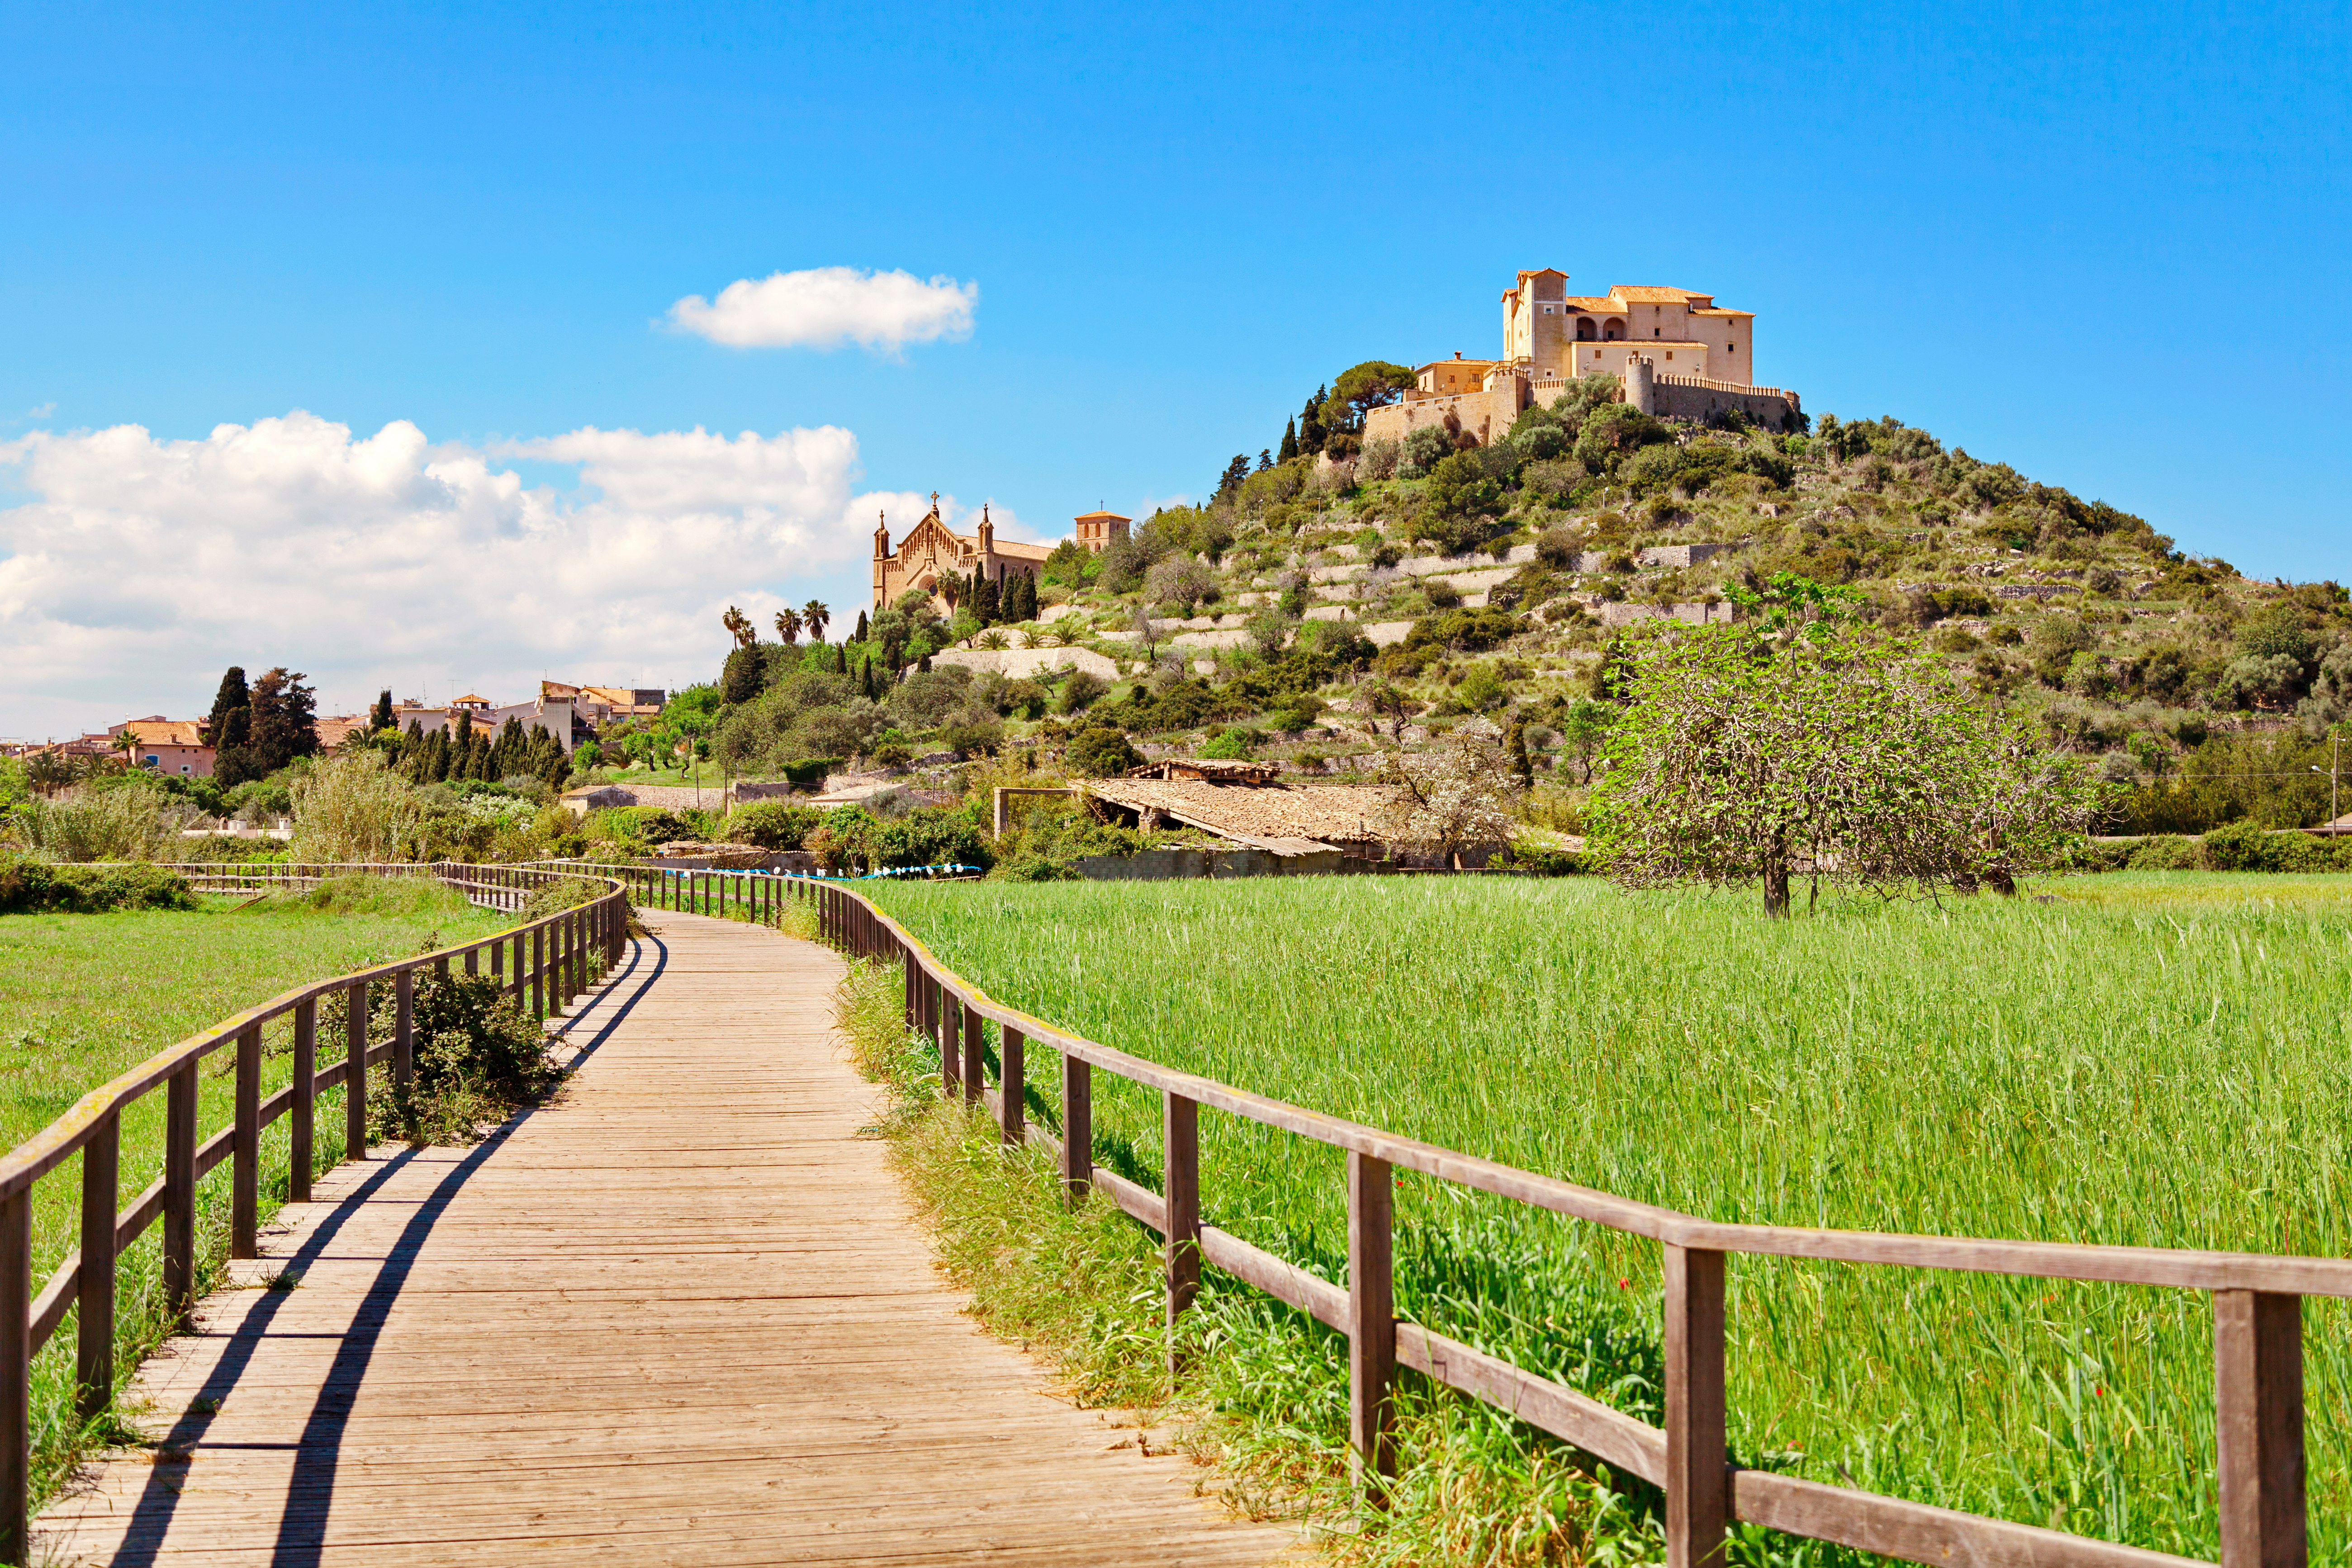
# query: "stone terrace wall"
1688, 398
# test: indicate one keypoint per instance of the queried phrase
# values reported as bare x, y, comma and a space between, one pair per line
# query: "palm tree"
814, 615
739, 625
788, 625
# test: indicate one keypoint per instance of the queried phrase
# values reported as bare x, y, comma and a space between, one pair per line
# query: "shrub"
134, 821
1102, 751
1380, 459
33, 887
477, 1057
773, 825
1420, 451
1081, 689
2249, 847
1231, 745
355, 808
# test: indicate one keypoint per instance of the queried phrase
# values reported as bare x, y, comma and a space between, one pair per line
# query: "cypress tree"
923, 665
841, 658
380, 715
1311, 433
871, 694
1289, 441
1021, 598
987, 603
1521, 766
861, 628
231, 697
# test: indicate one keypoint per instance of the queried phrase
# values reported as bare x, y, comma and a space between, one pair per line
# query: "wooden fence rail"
541, 965
2257, 1297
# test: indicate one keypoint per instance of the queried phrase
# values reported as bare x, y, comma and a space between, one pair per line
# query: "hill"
1387, 591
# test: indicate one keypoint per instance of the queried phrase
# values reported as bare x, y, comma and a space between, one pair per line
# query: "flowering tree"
1457, 794
1825, 751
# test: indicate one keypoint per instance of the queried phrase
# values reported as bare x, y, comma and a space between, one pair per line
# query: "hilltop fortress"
1680, 356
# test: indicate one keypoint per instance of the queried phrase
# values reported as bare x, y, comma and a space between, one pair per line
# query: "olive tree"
1826, 751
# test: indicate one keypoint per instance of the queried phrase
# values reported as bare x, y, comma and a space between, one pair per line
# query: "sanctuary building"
1700, 357
932, 550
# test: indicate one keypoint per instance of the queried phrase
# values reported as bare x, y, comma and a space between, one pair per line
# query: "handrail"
2257, 1307
547, 968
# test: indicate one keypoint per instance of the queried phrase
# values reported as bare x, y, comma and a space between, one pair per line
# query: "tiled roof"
1655, 294
1099, 516
1333, 813
166, 731
1590, 302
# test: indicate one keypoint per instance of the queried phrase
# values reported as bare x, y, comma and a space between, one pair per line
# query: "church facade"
932, 550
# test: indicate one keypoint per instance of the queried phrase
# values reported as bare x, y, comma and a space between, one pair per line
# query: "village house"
600, 706
174, 746
932, 550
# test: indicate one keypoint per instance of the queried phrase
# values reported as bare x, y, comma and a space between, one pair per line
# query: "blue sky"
2099, 243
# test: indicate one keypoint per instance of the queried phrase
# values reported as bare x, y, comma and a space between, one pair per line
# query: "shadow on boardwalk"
679, 1315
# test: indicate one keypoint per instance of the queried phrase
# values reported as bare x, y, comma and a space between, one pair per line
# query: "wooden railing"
542, 965
2256, 1299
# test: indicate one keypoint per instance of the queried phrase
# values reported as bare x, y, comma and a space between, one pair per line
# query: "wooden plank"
1014, 1101
1179, 1239
180, 1187
1609, 1436
1917, 1533
1078, 1127
355, 1011
15, 1376
1284, 1281
1371, 1322
94, 1269
305, 1090
2258, 1428
1697, 1496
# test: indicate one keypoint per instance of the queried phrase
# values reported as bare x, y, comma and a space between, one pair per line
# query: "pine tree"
1264, 459
1289, 441
1236, 472
284, 723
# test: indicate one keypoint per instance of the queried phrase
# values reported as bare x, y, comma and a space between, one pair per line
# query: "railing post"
355, 1045
2258, 1425
244, 1155
975, 1055
1179, 1125
1372, 1332
539, 972
94, 1289
403, 1027
942, 1030
302, 1113
1012, 1086
179, 1188
16, 1375
473, 962
1698, 1484
1078, 1127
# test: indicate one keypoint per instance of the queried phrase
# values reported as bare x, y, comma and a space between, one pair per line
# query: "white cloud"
42, 411
825, 306
142, 567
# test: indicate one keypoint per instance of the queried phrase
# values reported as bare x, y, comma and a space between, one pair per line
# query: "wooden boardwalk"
680, 1316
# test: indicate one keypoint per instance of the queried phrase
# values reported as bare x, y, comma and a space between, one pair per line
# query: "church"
932, 550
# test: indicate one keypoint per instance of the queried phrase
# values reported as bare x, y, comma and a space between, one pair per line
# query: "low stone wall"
1019, 663
1625, 614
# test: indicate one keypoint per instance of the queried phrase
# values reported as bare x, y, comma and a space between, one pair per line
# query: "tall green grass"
2149, 1060
84, 997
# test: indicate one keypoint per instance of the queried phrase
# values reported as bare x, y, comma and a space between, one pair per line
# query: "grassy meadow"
2142, 1058
83, 997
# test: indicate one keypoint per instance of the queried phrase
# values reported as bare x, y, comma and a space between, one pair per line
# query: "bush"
1380, 459
773, 825
477, 1057
356, 809
1232, 745
1102, 751
1420, 451
34, 887
2248, 847
1081, 689
134, 821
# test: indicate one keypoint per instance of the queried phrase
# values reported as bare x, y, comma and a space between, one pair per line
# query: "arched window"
1585, 330
1613, 330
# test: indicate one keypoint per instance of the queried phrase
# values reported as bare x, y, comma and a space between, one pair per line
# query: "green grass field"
2154, 1058
83, 997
